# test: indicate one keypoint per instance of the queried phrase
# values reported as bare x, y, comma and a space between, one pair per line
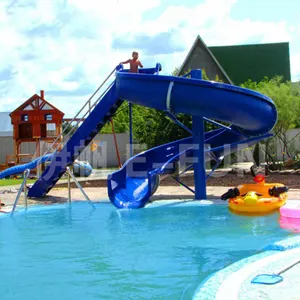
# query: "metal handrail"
82, 119
71, 175
88, 102
23, 187
174, 119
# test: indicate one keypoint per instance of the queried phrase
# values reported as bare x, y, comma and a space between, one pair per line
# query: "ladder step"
95, 131
100, 125
88, 140
48, 189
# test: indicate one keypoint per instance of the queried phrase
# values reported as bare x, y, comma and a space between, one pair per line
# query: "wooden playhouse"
35, 121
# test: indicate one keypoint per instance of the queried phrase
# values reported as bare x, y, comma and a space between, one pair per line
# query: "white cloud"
45, 41
66, 45
217, 28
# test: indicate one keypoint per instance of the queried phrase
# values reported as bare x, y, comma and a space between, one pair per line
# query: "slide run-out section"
251, 114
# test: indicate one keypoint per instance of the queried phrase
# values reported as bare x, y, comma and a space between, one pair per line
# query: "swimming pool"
164, 252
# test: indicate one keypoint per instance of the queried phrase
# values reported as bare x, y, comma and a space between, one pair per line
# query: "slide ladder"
88, 121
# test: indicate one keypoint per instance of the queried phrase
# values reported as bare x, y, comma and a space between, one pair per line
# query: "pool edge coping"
209, 284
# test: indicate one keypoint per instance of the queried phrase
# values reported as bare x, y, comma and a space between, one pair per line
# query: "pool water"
79, 253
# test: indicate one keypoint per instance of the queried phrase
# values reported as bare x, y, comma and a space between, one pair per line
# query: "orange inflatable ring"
259, 197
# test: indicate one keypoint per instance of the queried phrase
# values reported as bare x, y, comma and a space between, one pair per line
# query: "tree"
67, 128
287, 101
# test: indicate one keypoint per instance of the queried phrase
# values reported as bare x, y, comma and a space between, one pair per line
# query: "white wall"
104, 156
293, 135
7, 148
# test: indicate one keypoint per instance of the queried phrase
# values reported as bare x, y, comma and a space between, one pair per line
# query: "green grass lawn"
7, 182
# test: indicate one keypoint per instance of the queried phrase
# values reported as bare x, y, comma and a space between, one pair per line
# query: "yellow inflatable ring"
258, 198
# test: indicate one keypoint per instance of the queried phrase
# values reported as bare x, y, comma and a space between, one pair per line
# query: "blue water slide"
21, 168
99, 115
251, 114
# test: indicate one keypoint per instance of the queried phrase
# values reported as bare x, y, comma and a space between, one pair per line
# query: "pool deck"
95, 186
60, 195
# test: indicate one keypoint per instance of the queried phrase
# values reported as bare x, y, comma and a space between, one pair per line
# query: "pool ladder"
71, 175
24, 188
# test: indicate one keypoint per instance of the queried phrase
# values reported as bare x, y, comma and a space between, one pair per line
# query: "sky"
68, 47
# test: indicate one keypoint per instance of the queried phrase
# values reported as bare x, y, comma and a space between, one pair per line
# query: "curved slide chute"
251, 114
21, 168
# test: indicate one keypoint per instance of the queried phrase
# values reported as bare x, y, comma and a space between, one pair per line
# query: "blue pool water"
79, 253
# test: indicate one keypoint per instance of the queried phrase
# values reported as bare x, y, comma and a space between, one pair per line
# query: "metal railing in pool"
23, 187
71, 175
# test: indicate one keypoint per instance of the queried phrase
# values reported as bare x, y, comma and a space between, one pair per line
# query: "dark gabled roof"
256, 61
199, 43
238, 63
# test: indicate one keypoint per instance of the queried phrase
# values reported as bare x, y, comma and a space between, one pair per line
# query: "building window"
48, 117
25, 118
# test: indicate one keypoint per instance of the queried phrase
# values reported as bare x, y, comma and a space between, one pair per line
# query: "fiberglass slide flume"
253, 115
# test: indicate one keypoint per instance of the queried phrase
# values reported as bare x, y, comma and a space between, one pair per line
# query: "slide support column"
198, 140
130, 130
